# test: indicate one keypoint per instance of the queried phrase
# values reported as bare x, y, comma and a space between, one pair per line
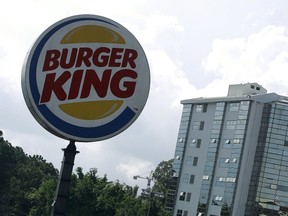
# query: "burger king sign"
86, 78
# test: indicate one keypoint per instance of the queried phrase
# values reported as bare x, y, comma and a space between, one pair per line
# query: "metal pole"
62, 191
149, 206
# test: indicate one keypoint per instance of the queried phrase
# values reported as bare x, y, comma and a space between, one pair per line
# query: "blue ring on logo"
94, 132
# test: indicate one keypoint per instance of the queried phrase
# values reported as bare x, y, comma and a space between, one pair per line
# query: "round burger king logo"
86, 78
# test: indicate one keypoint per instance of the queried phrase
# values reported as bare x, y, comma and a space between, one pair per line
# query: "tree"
21, 176
28, 184
42, 197
93, 195
162, 176
157, 196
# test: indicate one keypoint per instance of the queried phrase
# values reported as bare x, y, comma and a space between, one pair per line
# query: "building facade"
231, 155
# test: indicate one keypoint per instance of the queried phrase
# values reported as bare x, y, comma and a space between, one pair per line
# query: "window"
198, 143
201, 125
217, 200
201, 108
185, 213
241, 122
189, 160
179, 212
182, 196
222, 179
216, 124
205, 107
198, 125
225, 179
230, 124
177, 157
192, 177
224, 162
230, 179
227, 143
195, 125
220, 104
195, 143
205, 177
188, 197
236, 141
234, 107
195, 161
213, 140
244, 105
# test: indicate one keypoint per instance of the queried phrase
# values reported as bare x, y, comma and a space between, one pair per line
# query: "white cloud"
261, 57
134, 166
157, 25
169, 83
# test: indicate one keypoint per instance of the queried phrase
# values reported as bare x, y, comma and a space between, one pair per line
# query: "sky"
195, 48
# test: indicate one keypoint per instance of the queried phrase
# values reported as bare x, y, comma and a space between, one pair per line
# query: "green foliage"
28, 184
22, 177
42, 197
92, 195
162, 175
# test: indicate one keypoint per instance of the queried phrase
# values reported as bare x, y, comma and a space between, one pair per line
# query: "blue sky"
194, 48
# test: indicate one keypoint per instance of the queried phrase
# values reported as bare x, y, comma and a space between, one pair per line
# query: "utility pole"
149, 179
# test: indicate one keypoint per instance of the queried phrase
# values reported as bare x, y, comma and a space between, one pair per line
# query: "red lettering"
75, 84
122, 84
56, 86
51, 61
115, 54
129, 86
129, 57
84, 56
92, 79
66, 62
99, 59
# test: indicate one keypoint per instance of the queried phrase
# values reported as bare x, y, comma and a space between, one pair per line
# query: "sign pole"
62, 191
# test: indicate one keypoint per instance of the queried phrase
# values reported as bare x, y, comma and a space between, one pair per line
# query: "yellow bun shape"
92, 34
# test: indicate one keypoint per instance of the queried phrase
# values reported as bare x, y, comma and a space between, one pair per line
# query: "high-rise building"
231, 155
